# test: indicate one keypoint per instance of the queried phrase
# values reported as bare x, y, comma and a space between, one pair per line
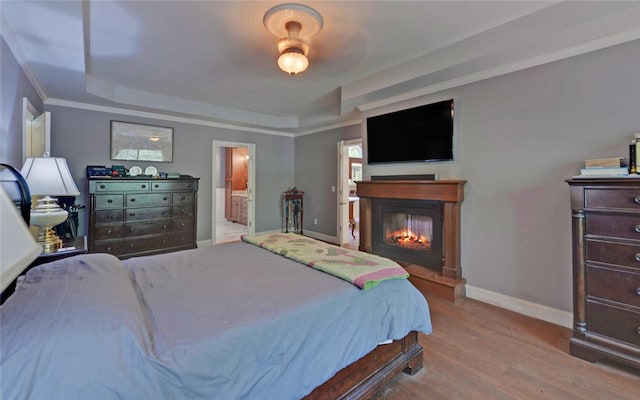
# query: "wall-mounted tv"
419, 134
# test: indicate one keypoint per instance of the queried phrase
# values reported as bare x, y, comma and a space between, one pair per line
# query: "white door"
36, 131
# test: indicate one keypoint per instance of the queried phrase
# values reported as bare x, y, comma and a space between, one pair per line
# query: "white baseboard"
525, 307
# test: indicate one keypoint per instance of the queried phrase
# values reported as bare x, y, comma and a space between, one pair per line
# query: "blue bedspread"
228, 322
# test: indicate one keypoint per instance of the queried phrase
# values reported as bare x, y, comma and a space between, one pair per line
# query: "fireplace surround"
445, 281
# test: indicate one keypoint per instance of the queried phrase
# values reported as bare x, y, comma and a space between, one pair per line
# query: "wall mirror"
141, 142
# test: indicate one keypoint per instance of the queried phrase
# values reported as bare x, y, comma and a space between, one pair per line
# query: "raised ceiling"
215, 60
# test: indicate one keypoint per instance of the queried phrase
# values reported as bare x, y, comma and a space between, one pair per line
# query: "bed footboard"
364, 377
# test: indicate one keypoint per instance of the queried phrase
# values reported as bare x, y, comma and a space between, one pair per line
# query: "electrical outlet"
333, 189
315, 221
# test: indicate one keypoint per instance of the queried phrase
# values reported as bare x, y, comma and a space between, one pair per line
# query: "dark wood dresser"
142, 216
606, 269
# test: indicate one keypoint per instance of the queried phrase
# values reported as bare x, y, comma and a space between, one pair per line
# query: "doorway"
349, 172
233, 178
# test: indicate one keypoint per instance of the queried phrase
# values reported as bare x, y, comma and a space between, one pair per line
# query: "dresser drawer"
107, 201
135, 186
612, 198
615, 285
183, 224
104, 232
182, 211
182, 239
109, 216
108, 246
183, 198
624, 254
148, 200
174, 185
621, 226
132, 246
141, 214
147, 228
614, 322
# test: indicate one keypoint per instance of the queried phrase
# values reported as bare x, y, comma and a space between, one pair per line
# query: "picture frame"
141, 142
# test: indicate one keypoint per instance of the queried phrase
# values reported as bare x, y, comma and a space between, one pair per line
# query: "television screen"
423, 133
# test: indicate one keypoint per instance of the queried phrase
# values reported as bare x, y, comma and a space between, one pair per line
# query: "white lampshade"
17, 246
49, 176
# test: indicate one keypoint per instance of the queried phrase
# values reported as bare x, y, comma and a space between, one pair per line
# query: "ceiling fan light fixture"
293, 61
294, 24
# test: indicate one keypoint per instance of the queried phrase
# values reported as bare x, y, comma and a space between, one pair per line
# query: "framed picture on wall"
140, 142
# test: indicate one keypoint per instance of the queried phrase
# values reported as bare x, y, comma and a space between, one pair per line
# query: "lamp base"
48, 239
47, 215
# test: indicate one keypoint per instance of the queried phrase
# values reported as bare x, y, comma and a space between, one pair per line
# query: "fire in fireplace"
409, 231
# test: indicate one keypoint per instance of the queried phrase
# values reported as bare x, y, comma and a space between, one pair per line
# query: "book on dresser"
604, 171
142, 216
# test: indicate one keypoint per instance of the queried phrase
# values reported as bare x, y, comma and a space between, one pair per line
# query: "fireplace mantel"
450, 192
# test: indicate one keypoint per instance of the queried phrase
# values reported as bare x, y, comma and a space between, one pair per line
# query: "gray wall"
316, 172
82, 137
517, 138
14, 87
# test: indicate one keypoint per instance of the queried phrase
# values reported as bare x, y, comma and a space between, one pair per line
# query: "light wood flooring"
478, 351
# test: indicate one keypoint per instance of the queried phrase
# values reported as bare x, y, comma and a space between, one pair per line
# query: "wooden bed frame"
364, 377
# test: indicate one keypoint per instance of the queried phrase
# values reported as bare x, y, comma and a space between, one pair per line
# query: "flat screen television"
419, 134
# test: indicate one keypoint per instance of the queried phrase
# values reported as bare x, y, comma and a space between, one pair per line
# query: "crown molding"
163, 117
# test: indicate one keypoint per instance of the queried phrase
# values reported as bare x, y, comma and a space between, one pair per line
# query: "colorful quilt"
362, 269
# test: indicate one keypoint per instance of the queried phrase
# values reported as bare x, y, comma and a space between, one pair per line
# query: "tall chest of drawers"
606, 269
132, 216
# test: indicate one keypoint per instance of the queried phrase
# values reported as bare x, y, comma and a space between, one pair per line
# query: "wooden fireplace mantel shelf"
451, 193
447, 191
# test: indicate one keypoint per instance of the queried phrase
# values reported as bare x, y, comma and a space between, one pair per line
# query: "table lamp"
48, 176
17, 247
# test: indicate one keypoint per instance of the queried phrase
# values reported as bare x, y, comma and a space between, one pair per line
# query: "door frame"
216, 144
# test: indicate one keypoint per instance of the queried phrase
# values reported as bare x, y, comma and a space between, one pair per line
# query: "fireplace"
408, 231
430, 209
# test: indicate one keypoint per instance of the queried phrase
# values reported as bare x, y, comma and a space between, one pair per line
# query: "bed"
232, 321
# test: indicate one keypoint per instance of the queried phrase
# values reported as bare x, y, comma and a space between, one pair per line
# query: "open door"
36, 131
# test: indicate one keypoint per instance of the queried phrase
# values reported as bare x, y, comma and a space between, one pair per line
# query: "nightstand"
70, 247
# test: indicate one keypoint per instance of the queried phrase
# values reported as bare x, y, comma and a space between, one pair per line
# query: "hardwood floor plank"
479, 351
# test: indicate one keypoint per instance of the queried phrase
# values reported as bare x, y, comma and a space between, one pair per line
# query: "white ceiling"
215, 61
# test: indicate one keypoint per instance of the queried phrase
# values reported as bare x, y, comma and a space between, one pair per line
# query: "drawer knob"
143, 186
109, 201
132, 214
637, 199
157, 186
638, 291
637, 228
109, 232
637, 256
164, 198
103, 186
